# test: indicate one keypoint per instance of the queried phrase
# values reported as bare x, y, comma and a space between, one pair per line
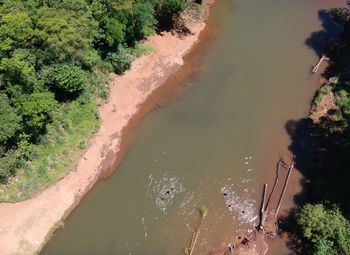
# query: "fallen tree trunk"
263, 211
291, 166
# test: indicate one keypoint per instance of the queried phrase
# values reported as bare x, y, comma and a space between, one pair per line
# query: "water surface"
214, 146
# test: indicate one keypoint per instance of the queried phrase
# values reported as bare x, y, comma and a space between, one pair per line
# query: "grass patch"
141, 49
66, 137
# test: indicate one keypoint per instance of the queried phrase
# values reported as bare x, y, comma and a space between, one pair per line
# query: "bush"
121, 60
141, 49
10, 121
166, 9
145, 20
67, 77
35, 109
9, 162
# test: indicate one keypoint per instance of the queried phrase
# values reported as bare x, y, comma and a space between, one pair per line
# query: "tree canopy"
53, 52
10, 120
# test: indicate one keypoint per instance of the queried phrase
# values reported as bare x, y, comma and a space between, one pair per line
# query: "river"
215, 145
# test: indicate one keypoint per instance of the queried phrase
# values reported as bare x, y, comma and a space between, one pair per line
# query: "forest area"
56, 57
322, 226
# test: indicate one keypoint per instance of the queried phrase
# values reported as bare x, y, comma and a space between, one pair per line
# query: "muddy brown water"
216, 145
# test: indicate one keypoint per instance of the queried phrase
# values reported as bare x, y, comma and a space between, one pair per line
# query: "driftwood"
280, 164
323, 58
291, 166
263, 210
268, 218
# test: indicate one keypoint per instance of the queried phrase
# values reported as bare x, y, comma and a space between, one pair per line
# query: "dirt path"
26, 226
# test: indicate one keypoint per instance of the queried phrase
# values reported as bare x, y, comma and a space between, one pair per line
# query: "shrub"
121, 60
67, 77
166, 9
10, 121
9, 162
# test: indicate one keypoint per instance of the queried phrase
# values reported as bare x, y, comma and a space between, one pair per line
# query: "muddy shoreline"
26, 226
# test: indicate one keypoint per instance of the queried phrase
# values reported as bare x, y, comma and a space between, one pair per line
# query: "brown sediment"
25, 226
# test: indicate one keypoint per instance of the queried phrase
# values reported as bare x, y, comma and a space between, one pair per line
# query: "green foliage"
16, 30
145, 21
9, 163
19, 69
325, 247
35, 109
72, 124
141, 49
203, 211
326, 229
28, 6
120, 5
55, 60
340, 14
67, 77
167, 8
320, 93
10, 121
120, 60
72, 5
115, 33
67, 35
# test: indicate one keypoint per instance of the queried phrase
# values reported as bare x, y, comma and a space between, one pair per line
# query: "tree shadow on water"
322, 156
331, 30
303, 135
302, 145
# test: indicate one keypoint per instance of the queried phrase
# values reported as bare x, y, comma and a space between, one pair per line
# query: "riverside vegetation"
56, 57
323, 226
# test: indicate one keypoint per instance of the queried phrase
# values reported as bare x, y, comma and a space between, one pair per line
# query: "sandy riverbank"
26, 226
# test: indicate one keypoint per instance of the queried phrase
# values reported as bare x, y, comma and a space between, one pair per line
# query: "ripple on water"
164, 190
238, 201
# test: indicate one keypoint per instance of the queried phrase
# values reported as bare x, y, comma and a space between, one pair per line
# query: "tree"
67, 35
115, 32
325, 228
35, 109
73, 5
67, 77
120, 5
19, 69
16, 30
10, 121
145, 22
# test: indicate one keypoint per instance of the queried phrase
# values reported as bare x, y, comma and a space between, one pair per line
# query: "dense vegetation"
55, 57
324, 222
